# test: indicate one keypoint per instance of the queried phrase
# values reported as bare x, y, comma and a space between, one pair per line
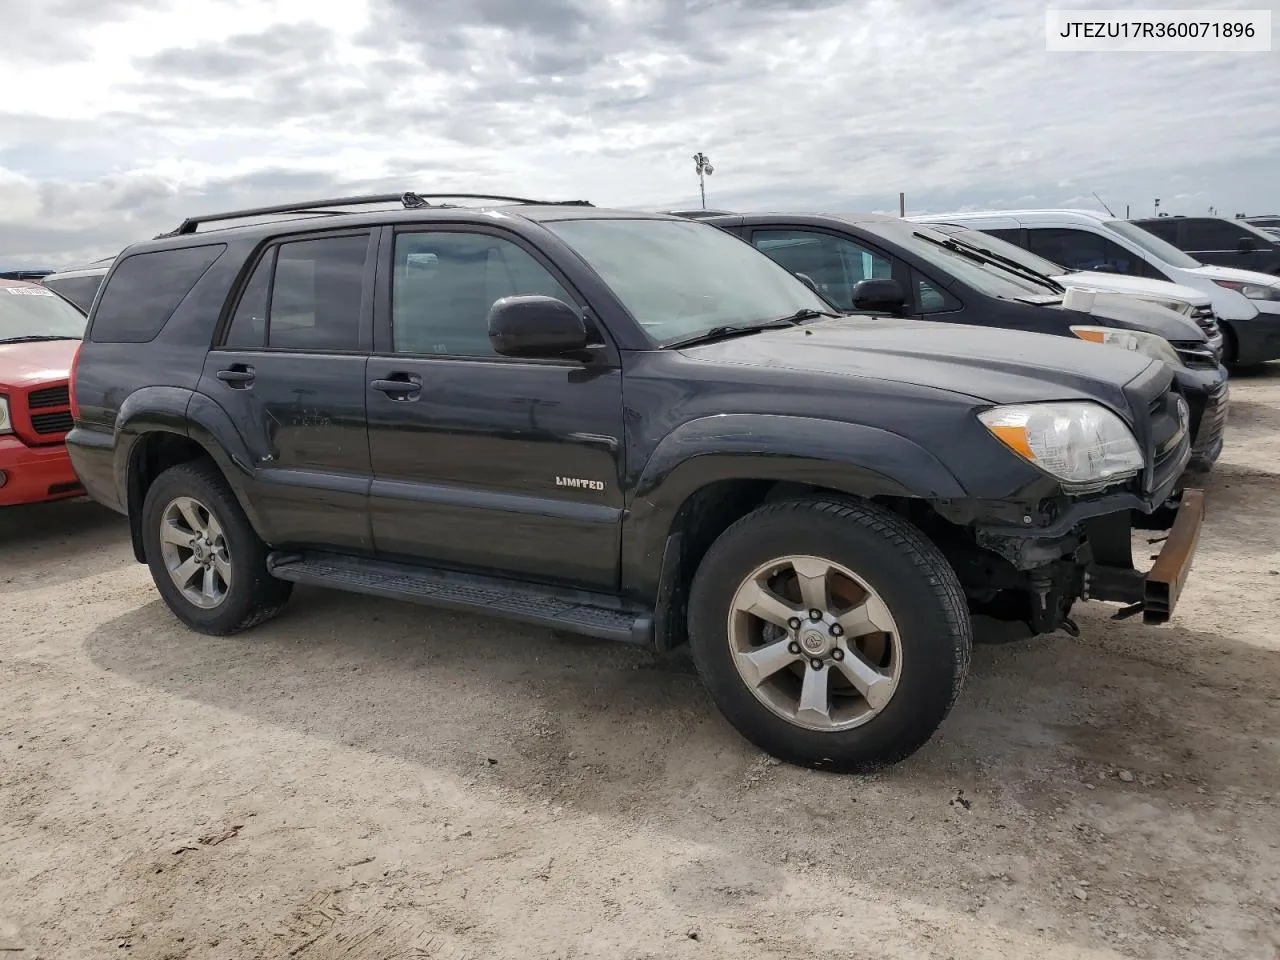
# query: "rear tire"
205, 558
892, 643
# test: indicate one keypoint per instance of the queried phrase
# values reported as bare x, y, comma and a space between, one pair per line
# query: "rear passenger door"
480, 460
290, 372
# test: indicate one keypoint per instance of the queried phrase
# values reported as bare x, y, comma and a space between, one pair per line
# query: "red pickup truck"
39, 335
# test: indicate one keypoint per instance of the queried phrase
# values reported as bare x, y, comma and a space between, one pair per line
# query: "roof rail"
409, 200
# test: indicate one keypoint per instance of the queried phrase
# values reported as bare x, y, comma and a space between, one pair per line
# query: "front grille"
1205, 319
49, 423
49, 397
1195, 353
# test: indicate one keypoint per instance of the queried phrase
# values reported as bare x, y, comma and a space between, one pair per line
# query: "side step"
588, 614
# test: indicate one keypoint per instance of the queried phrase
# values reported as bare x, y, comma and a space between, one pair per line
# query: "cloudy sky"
119, 117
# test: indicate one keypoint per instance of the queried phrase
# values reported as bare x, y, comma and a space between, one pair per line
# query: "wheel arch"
710, 472
155, 437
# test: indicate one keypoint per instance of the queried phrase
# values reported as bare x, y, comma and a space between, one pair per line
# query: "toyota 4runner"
626, 425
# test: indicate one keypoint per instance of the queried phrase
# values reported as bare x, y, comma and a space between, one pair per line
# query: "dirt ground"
364, 779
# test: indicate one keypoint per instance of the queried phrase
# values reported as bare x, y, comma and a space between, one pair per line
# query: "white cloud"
136, 113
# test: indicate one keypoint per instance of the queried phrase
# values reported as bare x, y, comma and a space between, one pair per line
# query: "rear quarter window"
144, 290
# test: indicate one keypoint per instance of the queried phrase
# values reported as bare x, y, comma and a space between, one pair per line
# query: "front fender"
848, 457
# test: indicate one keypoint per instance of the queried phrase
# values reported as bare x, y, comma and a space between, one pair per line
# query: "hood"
1239, 276
29, 365
984, 363
1120, 310
1122, 283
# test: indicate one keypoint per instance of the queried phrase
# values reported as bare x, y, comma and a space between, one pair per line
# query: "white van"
1105, 253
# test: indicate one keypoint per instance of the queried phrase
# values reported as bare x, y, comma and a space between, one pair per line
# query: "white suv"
1110, 254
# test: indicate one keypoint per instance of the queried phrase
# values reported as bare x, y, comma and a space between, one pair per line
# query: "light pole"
705, 169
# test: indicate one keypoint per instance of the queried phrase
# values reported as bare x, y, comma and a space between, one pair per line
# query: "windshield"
1010, 251
985, 278
681, 278
1149, 242
31, 311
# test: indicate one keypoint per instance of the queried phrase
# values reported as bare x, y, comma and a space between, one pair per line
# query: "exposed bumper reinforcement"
1156, 592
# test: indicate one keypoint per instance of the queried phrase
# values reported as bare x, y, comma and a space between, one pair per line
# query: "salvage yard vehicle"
79, 284
39, 335
1217, 240
1188, 301
871, 262
1246, 303
625, 425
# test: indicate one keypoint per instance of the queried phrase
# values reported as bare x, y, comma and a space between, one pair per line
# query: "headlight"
1083, 444
1254, 291
6, 424
1148, 344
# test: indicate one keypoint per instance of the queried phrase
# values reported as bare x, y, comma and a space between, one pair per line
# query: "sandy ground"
362, 779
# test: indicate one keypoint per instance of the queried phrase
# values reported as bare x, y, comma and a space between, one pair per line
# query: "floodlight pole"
704, 168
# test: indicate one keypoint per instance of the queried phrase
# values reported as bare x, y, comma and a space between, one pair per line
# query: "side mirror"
880, 296
535, 326
1246, 245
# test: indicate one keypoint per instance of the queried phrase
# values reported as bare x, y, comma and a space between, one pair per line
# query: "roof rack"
409, 200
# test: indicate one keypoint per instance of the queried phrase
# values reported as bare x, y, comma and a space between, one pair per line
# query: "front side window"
1145, 240
835, 264
681, 278
1081, 250
316, 292
445, 283
28, 311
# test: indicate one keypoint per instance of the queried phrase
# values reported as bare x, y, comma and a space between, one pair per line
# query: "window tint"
79, 290
249, 323
1081, 250
444, 284
1208, 234
1166, 228
145, 289
1010, 234
315, 297
834, 264
931, 298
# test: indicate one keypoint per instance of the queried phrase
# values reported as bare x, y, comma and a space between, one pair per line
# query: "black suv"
875, 263
1218, 241
627, 425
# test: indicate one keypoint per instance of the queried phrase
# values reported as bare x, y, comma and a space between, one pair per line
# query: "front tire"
205, 558
830, 633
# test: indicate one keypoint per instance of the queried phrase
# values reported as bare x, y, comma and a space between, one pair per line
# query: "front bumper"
35, 474
1208, 398
1156, 592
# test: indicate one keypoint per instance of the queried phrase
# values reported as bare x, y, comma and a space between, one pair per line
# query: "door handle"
238, 375
399, 386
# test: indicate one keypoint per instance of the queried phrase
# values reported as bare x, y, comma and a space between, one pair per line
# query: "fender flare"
185, 413
848, 457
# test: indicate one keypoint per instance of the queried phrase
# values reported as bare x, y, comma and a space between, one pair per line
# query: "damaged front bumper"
1155, 593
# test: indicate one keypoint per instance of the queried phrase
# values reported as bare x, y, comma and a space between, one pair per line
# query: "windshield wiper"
982, 255
727, 330
34, 339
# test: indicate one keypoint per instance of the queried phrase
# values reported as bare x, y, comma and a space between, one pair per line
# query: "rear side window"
145, 289
79, 290
303, 295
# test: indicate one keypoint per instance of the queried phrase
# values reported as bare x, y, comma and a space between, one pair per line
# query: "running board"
588, 614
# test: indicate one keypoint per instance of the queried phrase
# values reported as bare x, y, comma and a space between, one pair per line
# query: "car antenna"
1104, 206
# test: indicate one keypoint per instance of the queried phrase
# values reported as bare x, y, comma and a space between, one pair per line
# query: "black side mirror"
1246, 245
880, 296
536, 326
